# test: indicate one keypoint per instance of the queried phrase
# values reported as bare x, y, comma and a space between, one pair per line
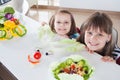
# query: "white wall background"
109, 5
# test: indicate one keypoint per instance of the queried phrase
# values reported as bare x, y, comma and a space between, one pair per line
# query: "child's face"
62, 23
95, 39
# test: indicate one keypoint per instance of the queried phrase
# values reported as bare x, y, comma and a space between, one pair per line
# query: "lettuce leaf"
45, 32
9, 10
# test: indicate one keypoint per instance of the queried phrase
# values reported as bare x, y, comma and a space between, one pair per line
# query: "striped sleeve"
116, 54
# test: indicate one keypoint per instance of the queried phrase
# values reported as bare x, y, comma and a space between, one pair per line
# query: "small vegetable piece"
2, 33
8, 16
9, 10
33, 62
20, 30
47, 53
8, 35
37, 55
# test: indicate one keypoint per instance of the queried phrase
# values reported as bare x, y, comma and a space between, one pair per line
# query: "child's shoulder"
75, 36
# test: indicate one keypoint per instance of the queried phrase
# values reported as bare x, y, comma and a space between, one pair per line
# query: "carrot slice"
33, 62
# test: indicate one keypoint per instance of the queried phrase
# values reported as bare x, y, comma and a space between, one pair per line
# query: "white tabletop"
14, 53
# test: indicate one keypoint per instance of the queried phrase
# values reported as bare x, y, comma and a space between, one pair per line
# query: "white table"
13, 54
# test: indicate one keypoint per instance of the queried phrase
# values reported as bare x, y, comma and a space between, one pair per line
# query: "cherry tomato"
72, 66
37, 55
12, 19
66, 70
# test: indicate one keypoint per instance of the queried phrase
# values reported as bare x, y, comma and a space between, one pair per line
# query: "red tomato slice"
12, 19
37, 55
72, 66
66, 70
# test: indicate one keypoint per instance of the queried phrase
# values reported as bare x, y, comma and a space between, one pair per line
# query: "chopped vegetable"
33, 62
20, 30
8, 16
2, 33
10, 26
9, 10
72, 65
37, 55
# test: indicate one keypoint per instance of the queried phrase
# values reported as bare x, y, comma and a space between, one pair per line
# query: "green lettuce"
68, 45
45, 31
9, 10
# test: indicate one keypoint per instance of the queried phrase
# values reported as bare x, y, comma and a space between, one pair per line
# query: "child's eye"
90, 33
66, 22
100, 34
58, 22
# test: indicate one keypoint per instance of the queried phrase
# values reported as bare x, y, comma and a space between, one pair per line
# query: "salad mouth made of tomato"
10, 26
74, 67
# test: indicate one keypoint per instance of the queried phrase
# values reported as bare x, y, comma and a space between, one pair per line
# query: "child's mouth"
62, 29
92, 44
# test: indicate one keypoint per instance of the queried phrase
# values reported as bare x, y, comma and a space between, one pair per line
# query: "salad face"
74, 66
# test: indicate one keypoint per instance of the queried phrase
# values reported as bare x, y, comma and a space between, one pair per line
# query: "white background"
109, 5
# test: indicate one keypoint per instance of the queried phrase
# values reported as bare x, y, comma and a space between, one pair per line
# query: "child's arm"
104, 58
116, 56
107, 59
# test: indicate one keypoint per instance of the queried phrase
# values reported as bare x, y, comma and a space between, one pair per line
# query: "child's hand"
90, 51
43, 23
107, 59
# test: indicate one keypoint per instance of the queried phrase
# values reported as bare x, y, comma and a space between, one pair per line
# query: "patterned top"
74, 36
116, 54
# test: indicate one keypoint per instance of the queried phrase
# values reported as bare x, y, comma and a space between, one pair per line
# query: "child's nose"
94, 37
63, 24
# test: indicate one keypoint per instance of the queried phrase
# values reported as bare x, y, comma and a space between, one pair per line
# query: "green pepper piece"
2, 33
20, 30
8, 35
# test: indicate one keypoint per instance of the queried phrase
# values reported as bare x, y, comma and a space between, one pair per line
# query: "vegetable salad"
9, 25
74, 67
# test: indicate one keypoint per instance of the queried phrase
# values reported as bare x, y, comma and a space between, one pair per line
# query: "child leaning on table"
61, 32
62, 23
96, 34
